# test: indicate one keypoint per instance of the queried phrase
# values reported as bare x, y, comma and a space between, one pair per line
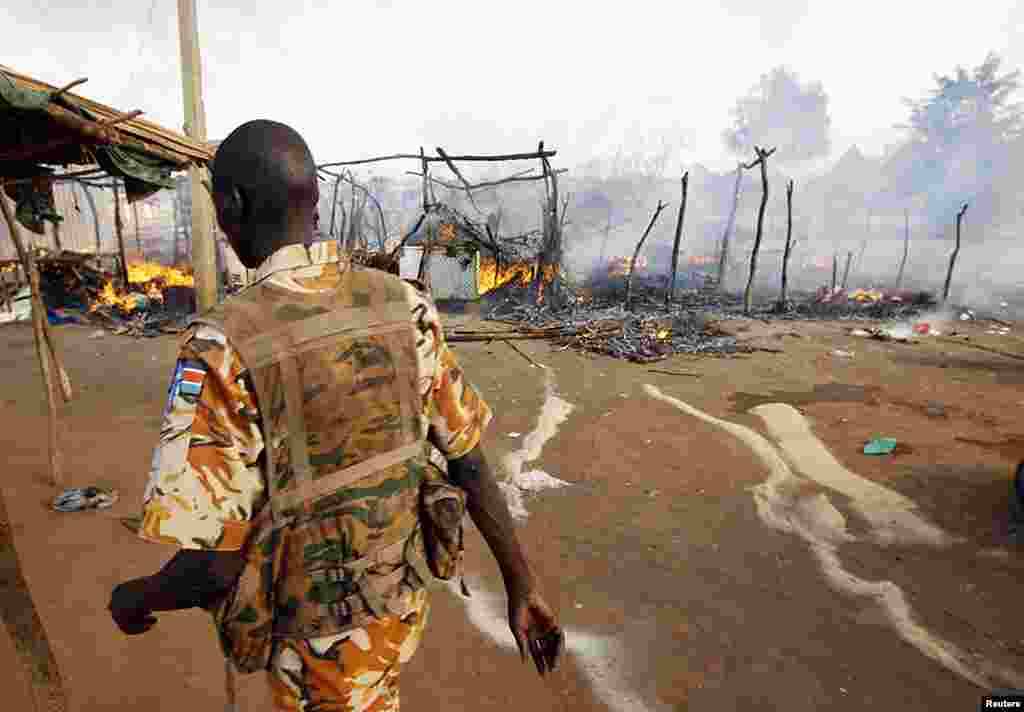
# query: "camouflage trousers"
352, 672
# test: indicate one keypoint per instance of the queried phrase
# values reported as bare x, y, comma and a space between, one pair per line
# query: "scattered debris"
83, 498
842, 354
880, 446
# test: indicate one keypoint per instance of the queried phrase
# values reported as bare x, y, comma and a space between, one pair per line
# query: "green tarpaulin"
24, 124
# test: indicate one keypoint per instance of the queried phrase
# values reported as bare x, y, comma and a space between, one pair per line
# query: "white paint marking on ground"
553, 413
823, 527
600, 658
893, 517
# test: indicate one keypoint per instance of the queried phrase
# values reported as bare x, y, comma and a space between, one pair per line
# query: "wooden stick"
120, 234
952, 257
431, 159
42, 346
68, 87
835, 269
674, 373
789, 242
522, 353
138, 231
846, 271
636, 252
723, 258
675, 244
762, 160
906, 248
115, 120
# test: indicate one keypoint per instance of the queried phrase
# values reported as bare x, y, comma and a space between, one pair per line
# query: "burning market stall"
469, 256
46, 128
43, 128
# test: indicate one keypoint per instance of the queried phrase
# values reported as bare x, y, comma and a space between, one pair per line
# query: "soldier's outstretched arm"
531, 620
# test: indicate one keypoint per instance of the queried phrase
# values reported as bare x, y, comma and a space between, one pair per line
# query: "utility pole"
204, 252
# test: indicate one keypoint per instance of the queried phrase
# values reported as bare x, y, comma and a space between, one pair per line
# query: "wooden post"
138, 230
952, 257
846, 272
119, 231
636, 254
789, 243
175, 260
334, 203
675, 245
835, 269
762, 160
95, 216
906, 248
204, 258
44, 352
723, 258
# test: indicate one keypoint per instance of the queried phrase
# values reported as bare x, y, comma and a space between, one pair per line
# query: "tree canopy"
781, 111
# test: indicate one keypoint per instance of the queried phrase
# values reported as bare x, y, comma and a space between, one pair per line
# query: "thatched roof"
41, 125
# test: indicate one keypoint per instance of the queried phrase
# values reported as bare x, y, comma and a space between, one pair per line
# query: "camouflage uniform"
206, 485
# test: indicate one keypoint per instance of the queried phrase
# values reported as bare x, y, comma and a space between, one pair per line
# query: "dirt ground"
675, 592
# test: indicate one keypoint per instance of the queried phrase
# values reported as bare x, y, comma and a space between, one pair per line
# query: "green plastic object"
880, 446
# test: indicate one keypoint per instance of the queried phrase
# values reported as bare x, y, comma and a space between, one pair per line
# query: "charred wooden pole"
762, 160
789, 243
835, 269
553, 253
675, 245
846, 272
46, 348
119, 230
138, 231
723, 258
95, 216
906, 248
636, 254
953, 256
537, 280
334, 204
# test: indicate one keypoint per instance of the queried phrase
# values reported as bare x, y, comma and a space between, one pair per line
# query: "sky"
365, 77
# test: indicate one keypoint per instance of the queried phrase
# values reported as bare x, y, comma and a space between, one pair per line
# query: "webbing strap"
262, 349
310, 489
418, 564
298, 445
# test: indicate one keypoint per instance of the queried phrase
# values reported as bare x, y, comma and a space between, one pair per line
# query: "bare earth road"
712, 551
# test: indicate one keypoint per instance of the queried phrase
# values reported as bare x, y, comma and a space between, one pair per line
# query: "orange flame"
154, 277
489, 278
621, 266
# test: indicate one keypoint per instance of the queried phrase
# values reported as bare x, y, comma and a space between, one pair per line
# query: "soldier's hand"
535, 629
128, 610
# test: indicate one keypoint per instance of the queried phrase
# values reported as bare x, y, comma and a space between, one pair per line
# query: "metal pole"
204, 251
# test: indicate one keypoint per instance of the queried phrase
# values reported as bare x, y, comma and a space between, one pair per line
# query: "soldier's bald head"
264, 185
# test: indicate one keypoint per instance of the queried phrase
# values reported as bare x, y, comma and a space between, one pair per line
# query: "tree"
967, 107
783, 112
961, 137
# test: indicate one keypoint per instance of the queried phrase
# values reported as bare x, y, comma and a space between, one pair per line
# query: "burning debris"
81, 288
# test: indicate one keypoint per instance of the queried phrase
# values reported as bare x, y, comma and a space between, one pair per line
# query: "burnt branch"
431, 159
462, 179
953, 256
636, 252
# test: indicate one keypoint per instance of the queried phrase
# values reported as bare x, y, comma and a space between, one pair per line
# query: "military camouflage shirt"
205, 481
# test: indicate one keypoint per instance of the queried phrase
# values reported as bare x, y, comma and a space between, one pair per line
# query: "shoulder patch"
189, 376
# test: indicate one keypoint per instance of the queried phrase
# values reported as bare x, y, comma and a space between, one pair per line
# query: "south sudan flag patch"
188, 380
